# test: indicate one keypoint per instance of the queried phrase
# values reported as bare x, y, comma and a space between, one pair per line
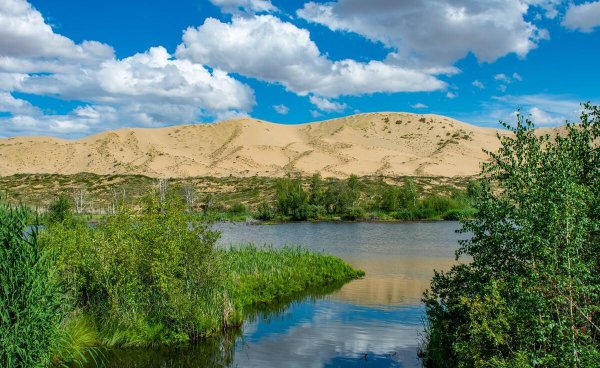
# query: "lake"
376, 321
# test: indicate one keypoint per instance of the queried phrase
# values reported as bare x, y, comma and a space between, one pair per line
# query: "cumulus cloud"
326, 105
451, 95
438, 32
150, 88
419, 106
244, 6
478, 84
281, 109
584, 17
266, 48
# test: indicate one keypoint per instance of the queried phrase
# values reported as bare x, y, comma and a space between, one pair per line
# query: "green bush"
265, 212
438, 203
460, 214
32, 305
354, 214
238, 208
60, 210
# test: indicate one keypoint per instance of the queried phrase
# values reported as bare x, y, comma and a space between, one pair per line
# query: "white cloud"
502, 77
419, 106
505, 79
542, 109
451, 95
266, 48
244, 6
150, 88
584, 17
438, 32
541, 117
315, 114
478, 84
502, 88
281, 109
326, 105
28, 42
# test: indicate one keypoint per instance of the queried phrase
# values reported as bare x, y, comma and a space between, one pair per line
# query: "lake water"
373, 322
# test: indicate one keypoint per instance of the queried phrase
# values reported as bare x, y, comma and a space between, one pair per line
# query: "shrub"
437, 203
238, 208
353, 214
265, 212
460, 214
60, 210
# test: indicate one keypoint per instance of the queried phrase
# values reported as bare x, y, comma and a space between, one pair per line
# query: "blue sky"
71, 68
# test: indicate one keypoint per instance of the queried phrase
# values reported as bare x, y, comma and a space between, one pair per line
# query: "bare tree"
115, 201
79, 199
189, 193
163, 186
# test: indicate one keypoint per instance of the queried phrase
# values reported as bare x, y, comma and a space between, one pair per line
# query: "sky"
70, 68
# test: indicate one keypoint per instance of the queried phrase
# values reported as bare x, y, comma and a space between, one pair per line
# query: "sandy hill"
366, 144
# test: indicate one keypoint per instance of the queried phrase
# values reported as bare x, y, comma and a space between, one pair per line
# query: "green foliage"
265, 212
135, 275
292, 199
238, 208
60, 210
531, 294
32, 305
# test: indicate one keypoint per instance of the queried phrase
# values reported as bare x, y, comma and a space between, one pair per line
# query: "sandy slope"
365, 144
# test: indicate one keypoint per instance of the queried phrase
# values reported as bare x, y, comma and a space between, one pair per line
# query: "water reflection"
373, 322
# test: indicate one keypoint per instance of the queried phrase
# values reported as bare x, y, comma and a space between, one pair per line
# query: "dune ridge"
389, 143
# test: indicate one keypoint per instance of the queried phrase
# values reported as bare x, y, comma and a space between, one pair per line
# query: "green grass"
264, 275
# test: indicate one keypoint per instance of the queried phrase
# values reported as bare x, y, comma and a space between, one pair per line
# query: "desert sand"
390, 144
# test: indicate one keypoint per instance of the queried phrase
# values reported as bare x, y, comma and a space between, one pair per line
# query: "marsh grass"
32, 303
264, 275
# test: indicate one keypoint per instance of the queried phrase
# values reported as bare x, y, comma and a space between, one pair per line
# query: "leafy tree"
317, 190
531, 294
292, 199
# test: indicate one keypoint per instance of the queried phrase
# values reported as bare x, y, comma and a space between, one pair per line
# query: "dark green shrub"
60, 210
32, 306
354, 214
238, 208
460, 214
437, 203
265, 212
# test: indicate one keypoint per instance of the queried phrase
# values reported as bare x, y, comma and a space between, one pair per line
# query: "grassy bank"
148, 276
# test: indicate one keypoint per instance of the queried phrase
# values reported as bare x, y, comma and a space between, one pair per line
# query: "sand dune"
390, 144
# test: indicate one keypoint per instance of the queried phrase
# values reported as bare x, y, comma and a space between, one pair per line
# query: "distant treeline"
346, 200
292, 198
